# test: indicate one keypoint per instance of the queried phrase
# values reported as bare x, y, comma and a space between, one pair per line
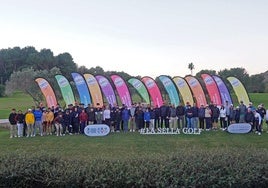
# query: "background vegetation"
20, 66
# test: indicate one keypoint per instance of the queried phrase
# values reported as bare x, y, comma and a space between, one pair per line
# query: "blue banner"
82, 88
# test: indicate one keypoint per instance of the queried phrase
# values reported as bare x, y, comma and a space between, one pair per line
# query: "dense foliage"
189, 168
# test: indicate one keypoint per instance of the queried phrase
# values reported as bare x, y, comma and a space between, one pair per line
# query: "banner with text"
153, 91
94, 89
212, 89
140, 87
171, 89
197, 90
239, 90
47, 91
107, 89
81, 88
122, 90
184, 90
225, 94
66, 90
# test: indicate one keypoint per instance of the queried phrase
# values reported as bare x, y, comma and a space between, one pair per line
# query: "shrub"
189, 168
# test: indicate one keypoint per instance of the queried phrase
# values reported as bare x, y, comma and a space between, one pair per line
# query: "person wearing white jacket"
223, 118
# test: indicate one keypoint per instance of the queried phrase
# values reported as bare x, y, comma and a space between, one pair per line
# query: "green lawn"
18, 100
129, 145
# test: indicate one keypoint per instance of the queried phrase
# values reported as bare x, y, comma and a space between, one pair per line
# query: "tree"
191, 67
239, 73
211, 72
24, 81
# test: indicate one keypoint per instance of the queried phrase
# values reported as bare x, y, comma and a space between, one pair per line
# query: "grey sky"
143, 37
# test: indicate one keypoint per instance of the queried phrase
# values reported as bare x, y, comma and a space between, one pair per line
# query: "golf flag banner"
107, 89
140, 87
122, 90
94, 89
212, 89
197, 90
47, 91
153, 91
225, 94
81, 88
239, 90
171, 89
184, 90
66, 90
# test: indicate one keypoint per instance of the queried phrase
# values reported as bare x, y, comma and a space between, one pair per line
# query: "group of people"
73, 119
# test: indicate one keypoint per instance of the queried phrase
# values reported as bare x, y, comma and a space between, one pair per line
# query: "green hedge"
191, 168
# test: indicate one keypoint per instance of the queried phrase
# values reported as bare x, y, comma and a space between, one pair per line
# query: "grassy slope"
18, 100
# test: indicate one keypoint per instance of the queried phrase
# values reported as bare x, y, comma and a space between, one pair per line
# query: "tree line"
20, 66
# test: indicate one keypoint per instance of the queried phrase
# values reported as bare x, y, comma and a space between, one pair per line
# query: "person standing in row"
13, 123
29, 120
38, 121
20, 119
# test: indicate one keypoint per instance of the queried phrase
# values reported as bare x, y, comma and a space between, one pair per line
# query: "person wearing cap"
29, 120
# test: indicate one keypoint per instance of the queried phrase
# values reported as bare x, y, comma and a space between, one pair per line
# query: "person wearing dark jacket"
164, 111
180, 112
20, 120
249, 118
13, 123
201, 116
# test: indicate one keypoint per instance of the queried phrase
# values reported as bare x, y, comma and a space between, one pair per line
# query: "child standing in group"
20, 119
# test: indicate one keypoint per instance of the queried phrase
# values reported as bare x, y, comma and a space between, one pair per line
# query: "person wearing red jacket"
83, 119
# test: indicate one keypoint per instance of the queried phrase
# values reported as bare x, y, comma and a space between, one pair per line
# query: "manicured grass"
18, 100
131, 145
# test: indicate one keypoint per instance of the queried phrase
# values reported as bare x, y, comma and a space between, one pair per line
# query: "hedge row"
217, 168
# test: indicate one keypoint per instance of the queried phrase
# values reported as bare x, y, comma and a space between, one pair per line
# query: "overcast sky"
143, 37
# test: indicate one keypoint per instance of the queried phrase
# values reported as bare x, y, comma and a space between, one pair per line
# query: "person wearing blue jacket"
38, 121
125, 118
147, 118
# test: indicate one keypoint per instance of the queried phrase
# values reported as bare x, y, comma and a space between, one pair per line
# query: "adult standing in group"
227, 107
201, 116
164, 110
180, 112
172, 117
38, 121
49, 120
215, 116
13, 123
132, 118
83, 119
125, 118
242, 112
107, 116
156, 117
75, 120
223, 118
